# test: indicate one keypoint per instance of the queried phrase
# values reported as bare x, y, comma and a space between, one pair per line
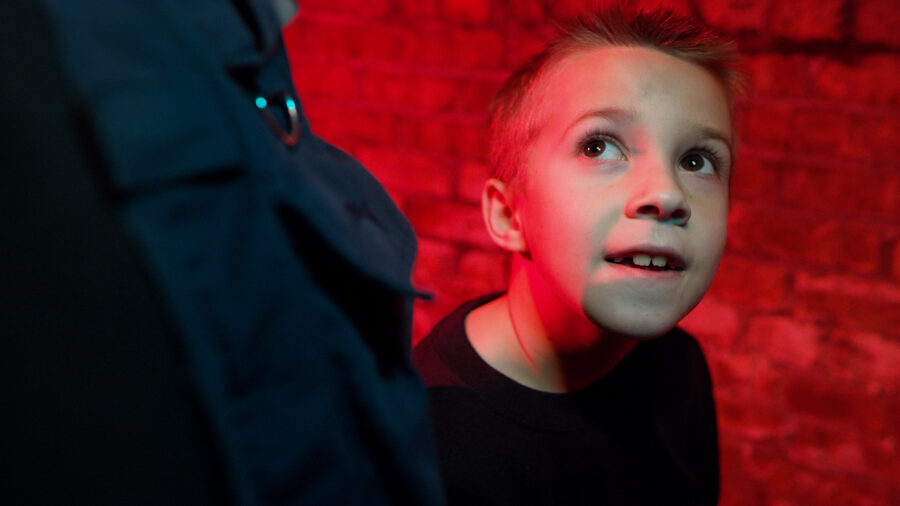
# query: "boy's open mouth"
648, 262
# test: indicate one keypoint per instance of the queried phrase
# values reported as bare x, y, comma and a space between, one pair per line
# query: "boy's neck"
542, 344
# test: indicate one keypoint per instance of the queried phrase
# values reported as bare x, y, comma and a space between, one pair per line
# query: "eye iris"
692, 162
594, 148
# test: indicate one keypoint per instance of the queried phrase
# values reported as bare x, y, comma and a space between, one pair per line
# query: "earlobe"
501, 218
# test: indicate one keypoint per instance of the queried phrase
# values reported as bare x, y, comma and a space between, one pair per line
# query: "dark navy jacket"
284, 271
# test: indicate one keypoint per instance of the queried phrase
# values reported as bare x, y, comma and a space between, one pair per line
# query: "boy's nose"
658, 196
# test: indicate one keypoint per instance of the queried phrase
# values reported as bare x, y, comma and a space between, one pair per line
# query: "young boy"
612, 152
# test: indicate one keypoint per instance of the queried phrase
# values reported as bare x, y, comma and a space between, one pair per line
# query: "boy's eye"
697, 162
601, 149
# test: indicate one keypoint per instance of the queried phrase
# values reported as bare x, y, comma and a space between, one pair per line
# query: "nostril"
679, 215
649, 210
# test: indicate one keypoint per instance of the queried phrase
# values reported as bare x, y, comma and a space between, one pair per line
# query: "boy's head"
612, 154
515, 113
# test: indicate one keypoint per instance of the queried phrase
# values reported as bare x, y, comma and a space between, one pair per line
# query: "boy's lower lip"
648, 274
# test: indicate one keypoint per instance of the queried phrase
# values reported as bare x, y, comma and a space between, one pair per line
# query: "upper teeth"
644, 260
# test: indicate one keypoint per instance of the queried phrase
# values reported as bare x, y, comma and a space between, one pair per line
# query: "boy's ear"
500, 217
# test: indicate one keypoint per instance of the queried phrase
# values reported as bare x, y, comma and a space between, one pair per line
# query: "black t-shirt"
643, 434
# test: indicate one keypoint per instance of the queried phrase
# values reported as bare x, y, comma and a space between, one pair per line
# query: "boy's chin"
642, 327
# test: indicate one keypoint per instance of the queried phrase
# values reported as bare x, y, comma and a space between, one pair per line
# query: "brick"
772, 74
436, 261
882, 454
875, 136
877, 21
834, 404
347, 126
750, 282
477, 48
386, 87
749, 395
750, 418
466, 139
474, 96
745, 376
803, 242
837, 468
325, 123
526, 11
472, 48
895, 261
407, 89
418, 9
785, 341
376, 42
484, 271
525, 43
436, 135
469, 140
764, 464
408, 172
360, 8
823, 131
567, 9
447, 220
765, 125
470, 181
866, 359
467, 12
434, 94
871, 80
847, 190
306, 38
682, 7
854, 303
755, 178
807, 20
329, 80
371, 127
405, 133
714, 323
426, 47
734, 15
737, 487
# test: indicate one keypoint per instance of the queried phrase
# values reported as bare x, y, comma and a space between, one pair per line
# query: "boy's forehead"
627, 78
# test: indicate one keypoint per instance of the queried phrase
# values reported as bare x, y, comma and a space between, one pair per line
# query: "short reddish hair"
513, 122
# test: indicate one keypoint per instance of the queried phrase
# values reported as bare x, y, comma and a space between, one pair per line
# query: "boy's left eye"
697, 162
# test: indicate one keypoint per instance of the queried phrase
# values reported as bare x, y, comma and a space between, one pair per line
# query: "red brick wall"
802, 326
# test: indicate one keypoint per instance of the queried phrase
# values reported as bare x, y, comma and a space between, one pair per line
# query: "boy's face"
625, 199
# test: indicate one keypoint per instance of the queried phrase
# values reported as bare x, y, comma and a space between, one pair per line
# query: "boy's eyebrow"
614, 113
712, 133
610, 113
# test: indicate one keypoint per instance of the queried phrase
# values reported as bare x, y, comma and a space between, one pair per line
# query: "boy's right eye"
600, 148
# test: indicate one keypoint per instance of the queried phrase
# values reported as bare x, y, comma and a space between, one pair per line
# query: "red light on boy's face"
625, 199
